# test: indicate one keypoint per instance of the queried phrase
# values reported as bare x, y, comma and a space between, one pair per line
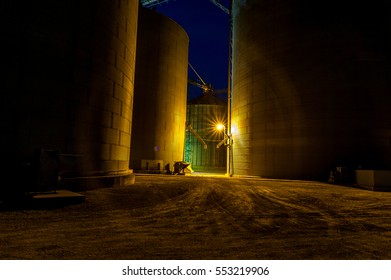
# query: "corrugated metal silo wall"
160, 90
67, 82
203, 118
311, 87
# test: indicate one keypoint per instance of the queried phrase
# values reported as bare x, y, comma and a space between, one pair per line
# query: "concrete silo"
67, 86
203, 114
311, 87
160, 93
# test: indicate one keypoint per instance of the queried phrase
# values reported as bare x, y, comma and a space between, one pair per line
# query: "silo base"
95, 182
149, 166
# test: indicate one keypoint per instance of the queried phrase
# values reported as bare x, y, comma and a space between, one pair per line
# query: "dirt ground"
187, 217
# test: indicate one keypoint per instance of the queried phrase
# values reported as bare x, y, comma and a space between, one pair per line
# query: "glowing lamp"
220, 127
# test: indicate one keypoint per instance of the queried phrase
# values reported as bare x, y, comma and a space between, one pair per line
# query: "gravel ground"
188, 217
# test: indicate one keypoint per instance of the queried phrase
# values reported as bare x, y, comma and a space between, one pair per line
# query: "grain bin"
203, 114
160, 93
67, 84
310, 87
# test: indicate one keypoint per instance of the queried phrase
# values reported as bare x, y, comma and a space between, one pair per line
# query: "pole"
229, 146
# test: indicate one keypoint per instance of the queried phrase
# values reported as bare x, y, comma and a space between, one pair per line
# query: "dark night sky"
208, 29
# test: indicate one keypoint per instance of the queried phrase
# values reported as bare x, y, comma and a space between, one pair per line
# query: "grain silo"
204, 113
311, 87
160, 93
67, 88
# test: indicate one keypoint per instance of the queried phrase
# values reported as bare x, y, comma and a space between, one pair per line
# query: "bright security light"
220, 127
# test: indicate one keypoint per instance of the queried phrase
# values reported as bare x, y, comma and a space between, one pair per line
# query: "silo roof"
207, 98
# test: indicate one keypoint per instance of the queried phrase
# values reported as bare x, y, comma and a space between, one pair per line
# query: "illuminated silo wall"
311, 87
67, 83
160, 91
203, 114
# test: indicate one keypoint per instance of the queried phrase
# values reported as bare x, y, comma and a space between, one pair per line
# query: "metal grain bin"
67, 82
203, 114
311, 87
159, 115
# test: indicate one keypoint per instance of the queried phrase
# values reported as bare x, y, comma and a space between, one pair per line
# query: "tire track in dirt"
176, 217
258, 210
305, 213
191, 211
215, 206
267, 211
